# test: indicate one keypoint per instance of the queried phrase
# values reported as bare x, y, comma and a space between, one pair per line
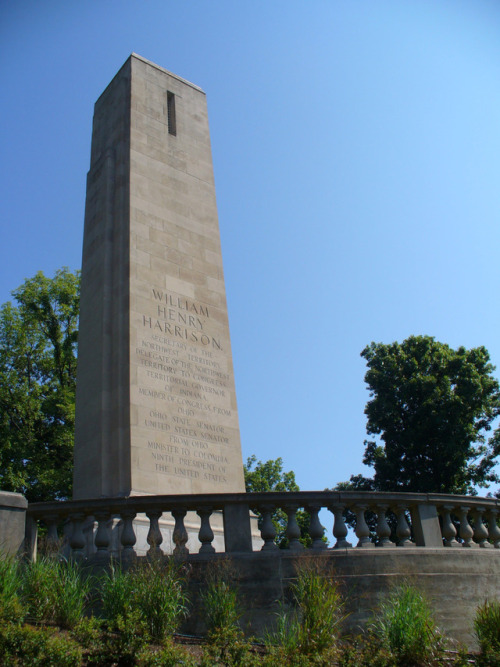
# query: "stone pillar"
156, 405
12, 522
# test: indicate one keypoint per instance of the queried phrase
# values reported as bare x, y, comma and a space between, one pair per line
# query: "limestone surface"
156, 405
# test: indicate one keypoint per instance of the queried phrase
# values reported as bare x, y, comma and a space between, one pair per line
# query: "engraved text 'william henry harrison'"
177, 312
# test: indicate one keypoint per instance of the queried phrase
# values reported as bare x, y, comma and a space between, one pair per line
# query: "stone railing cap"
8, 499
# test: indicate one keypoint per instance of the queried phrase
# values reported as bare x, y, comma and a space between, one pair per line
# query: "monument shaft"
156, 405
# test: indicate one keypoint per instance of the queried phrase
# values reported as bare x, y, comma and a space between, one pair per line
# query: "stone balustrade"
381, 520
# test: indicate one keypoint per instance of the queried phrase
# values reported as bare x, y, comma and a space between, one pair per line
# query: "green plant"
404, 627
39, 589
365, 652
73, 591
220, 598
229, 651
312, 629
487, 630
38, 647
116, 592
11, 608
226, 643
130, 638
161, 597
285, 636
89, 633
55, 590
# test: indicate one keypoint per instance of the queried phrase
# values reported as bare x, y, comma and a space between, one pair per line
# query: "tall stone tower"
156, 406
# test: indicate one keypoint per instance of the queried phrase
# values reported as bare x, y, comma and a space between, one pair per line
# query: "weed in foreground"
226, 644
405, 628
487, 631
116, 590
220, 598
55, 590
312, 629
152, 589
11, 608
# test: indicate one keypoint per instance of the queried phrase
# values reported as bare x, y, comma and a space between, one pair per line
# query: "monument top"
138, 57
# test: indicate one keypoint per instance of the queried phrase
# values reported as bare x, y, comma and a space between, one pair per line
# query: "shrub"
130, 638
20, 646
169, 655
404, 627
90, 635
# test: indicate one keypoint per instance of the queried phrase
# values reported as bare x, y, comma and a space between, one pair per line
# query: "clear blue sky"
356, 150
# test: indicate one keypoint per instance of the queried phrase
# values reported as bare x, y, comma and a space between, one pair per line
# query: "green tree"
38, 340
269, 476
431, 407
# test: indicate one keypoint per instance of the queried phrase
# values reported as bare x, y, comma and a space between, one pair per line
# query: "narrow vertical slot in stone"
172, 126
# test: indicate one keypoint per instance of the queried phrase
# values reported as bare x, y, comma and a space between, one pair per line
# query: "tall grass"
220, 599
55, 591
11, 608
487, 631
405, 627
152, 589
313, 627
116, 588
226, 644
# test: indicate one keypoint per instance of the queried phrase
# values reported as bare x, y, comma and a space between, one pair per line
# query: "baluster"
31, 538
267, 529
180, 535
466, 532
449, 530
66, 539
206, 534
101, 539
362, 531
128, 538
339, 527
383, 528
52, 540
480, 530
402, 528
292, 528
316, 530
494, 530
77, 541
155, 538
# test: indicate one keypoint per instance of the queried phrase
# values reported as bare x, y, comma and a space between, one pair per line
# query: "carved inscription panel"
185, 436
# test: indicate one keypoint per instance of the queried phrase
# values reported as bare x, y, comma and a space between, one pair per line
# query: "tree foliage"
38, 339
431, 407
269, 476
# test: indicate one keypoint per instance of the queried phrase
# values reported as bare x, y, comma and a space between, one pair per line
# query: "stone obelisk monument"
156, 405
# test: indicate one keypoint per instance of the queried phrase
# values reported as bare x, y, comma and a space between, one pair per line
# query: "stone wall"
454, 581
